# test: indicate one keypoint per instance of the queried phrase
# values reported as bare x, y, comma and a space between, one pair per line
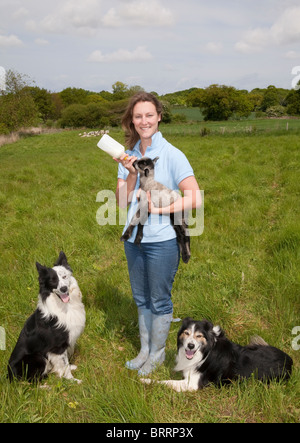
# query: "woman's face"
145, 119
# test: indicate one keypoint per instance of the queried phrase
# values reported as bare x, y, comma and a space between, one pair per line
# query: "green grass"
243, 275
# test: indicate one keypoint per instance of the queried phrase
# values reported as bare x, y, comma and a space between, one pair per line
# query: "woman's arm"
191, 199
126, 187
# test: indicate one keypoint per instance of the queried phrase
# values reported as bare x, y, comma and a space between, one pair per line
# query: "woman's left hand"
151, 208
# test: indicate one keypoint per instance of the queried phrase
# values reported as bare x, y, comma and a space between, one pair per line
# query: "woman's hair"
131, 136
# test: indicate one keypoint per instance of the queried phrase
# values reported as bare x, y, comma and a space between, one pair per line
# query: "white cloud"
89, 16
285, 30
145, 13
71, 15
292, 55
139, 13
140, 54
9, 41
214, 48
41, 42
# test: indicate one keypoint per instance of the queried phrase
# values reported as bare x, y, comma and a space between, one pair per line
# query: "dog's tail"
257, 341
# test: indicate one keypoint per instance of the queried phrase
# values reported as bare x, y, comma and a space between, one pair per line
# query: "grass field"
243, 275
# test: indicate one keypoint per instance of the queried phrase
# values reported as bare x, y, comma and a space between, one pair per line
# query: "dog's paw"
146, 381
73, 367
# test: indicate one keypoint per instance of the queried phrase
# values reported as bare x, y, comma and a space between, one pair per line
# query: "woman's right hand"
127, 161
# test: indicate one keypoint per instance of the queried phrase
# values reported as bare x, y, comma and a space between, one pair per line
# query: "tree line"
23, 104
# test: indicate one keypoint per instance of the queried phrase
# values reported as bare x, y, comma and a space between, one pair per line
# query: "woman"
154, 263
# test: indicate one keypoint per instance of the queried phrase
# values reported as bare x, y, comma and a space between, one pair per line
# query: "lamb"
161, 197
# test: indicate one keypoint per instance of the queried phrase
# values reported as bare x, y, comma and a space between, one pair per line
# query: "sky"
161, 45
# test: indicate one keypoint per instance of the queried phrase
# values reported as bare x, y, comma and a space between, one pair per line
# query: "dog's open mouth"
65, 298
190, 353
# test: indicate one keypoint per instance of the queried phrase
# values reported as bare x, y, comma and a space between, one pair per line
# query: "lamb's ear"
155, 160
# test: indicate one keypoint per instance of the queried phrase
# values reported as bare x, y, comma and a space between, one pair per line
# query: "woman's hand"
151, 208
127, 161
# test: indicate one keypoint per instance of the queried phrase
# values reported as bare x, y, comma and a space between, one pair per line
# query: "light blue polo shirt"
171, 168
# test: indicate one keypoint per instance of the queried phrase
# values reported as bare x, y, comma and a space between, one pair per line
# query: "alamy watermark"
296, 79
2, 339
107, 213
296, 341
2, 79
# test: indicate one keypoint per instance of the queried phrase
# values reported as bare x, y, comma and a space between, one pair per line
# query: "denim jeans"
152, 268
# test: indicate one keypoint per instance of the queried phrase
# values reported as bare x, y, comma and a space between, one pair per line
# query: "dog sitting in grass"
206, 356
48, 338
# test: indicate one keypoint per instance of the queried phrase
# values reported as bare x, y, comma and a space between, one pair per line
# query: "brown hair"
131, 136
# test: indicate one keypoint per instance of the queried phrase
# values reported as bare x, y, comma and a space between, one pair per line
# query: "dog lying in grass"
206, 356
161, 197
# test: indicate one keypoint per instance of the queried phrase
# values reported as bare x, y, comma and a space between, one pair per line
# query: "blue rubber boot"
159, 334
145, 323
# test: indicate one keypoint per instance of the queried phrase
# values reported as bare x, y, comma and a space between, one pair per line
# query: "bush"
276, 111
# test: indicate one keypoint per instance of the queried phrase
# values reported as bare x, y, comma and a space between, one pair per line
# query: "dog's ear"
146, 172
62, 261
155, 160
218, 332
42, 270
185, 322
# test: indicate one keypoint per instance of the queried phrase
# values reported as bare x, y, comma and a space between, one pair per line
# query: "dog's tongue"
189, 354
65, 298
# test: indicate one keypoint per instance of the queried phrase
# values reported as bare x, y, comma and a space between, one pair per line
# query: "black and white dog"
206, 356
48, 338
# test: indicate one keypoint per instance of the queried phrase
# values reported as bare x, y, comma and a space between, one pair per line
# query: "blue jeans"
152, 268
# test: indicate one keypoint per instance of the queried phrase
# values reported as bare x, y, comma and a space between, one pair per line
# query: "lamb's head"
145, 166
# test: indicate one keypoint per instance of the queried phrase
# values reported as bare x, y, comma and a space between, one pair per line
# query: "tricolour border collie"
48, 338
206, 356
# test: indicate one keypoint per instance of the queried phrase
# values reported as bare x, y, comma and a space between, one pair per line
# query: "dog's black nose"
191, 346
63, 289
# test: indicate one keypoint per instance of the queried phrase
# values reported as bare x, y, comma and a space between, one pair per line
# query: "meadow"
243, 274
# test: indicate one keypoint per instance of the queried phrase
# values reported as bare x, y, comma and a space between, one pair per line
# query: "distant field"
195, 123
243, 275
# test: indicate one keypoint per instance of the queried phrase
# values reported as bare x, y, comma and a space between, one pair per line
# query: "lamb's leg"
183, 238
140, 218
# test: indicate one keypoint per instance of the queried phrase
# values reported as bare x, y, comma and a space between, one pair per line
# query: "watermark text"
107, 213
2, 339
296, 341
296, 79
2, 79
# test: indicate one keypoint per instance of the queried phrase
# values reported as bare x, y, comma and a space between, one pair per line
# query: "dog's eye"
199, 336
186, 333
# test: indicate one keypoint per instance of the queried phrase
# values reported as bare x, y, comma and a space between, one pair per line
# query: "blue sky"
161, 45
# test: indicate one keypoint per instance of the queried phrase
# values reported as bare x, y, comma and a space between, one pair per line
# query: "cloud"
9, 41
71, 15
89, 16
139, 13
140, 54
145, 13
41, 42
285, 30
214, 48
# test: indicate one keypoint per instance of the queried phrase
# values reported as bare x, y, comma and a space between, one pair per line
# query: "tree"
72, 96
293, 102
120, 91
219, 103
43, 100
17, 107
